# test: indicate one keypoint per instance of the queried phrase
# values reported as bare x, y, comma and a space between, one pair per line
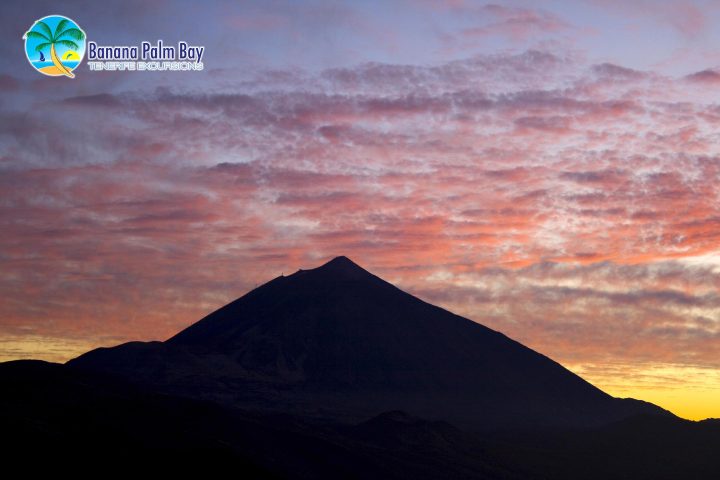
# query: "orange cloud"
560, 203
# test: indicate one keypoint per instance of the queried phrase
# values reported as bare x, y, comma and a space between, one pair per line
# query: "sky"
549, 169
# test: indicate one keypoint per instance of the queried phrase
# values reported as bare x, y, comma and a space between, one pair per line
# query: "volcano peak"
340, 268
339, 340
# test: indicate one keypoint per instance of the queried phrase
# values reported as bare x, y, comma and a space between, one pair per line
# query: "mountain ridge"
343, 343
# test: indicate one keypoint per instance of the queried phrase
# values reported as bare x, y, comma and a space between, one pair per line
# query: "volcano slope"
338, 343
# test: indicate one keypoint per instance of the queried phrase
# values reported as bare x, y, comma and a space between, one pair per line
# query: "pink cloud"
513, 22
686, 17
555, 201
705, 76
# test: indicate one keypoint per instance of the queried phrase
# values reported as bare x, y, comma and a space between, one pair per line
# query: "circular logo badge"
55, 46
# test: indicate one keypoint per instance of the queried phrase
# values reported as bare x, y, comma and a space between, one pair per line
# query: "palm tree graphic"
62, 36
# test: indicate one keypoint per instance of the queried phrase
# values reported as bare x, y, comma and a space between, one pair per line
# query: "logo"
146, 57
55, 46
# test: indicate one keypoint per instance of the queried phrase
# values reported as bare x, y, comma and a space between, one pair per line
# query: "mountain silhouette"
335, 373
66, 419
337, 342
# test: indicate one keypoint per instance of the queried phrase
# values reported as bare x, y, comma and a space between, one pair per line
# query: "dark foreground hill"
62, 419
337, 343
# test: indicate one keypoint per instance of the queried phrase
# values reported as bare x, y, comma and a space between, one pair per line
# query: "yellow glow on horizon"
50, 349
689, 392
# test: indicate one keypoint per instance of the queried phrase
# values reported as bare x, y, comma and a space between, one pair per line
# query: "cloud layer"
572, 205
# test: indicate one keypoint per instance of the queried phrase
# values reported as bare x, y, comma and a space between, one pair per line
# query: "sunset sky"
550, 169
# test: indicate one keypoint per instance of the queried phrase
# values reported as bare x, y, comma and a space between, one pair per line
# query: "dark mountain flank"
68, 420
338, 343
335, 373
